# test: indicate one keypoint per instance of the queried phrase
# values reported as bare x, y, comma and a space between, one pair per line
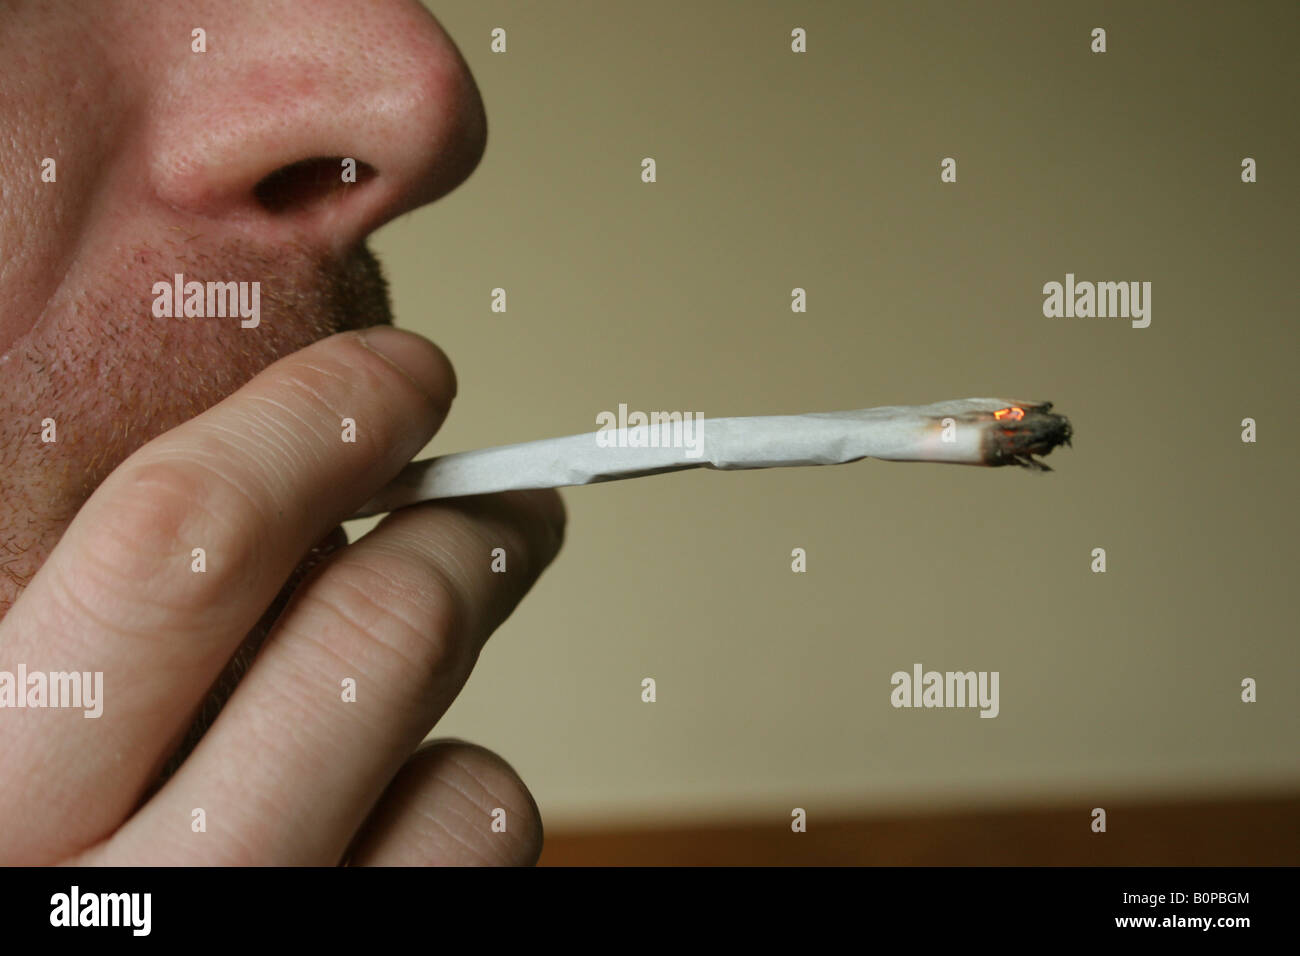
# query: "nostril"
308, 183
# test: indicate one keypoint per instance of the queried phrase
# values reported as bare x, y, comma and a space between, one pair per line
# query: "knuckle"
147, 531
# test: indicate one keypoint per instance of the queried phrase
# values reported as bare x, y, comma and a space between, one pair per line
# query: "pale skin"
224, 690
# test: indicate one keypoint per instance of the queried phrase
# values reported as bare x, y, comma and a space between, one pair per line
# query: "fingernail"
417, 358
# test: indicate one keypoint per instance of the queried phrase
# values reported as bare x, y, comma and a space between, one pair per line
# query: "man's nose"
318, 121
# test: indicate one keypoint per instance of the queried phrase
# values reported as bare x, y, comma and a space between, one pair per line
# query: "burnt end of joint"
1016, 442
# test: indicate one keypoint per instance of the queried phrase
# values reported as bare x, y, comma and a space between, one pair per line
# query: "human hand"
292, 771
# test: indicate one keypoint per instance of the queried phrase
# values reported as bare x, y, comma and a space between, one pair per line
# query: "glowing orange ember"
1015, 413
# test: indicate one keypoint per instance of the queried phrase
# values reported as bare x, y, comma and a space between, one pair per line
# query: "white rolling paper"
973, 431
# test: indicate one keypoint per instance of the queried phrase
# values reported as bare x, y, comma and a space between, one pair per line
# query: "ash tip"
1015, 441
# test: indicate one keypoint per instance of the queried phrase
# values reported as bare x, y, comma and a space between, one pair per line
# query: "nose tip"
320, 130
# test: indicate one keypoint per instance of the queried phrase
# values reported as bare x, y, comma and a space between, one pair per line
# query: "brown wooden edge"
1239, 832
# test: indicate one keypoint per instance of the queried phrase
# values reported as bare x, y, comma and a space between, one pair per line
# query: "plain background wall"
821, 171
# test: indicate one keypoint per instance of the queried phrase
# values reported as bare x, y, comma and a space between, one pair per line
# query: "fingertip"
499, 786
420, 360
551, 506
453, 803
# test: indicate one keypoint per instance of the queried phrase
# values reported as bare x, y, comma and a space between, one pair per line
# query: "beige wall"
822, 171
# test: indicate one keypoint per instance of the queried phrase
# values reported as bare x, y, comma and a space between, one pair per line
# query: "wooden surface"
1223, 833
